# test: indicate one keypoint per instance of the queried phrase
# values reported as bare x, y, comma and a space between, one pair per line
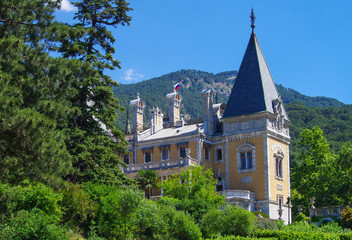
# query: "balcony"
164, 164
239, 194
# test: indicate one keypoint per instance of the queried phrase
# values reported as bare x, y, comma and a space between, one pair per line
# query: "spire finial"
252, 20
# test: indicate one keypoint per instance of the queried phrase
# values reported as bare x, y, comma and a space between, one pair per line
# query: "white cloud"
67, 6
130, 76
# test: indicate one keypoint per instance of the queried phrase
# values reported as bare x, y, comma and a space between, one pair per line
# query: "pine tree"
56, 110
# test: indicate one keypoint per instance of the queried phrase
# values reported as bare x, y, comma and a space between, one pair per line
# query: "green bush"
30, 196
241, 238
263, 223
292, 235
228, 221
301, 217
179, 224
346, 217
79, 210
33, 224
264, 215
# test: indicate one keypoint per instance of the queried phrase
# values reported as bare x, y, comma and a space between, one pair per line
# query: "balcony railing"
243, 194
164, 164
331, 211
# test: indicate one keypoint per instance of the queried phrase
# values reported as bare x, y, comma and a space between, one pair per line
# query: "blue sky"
307, 44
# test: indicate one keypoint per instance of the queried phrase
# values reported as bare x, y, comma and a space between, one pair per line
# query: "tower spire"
252, 21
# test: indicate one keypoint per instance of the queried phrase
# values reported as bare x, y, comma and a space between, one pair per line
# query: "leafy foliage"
321, 174
195, 190
146, 180
228, 221
346, 217
34, 224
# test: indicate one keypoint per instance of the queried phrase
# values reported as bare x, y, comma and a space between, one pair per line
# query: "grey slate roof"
254, 89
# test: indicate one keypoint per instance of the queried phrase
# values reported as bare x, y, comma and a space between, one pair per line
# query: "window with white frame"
126, 159
246, 158
279, 156
165, 154
280, 200
219, 153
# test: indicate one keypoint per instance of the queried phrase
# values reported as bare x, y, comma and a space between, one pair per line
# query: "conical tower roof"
254, 90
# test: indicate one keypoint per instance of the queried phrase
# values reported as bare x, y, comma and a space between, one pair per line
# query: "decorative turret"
254, 90
174, 101
156, 120
137, 107
207, 97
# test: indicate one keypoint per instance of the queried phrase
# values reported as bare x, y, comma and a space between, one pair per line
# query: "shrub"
346, 217
179, 224
292, 235
229, 221
28, 197
33, 224
263, 223
79, 210
301, 217
264, 215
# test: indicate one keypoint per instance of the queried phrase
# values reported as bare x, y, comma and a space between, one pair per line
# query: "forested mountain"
334, 117
192, 82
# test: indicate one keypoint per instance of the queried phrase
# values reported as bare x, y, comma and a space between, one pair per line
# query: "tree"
33, 110
96, 142
147, 180
195, 188
118, 210
61, 109
316, 176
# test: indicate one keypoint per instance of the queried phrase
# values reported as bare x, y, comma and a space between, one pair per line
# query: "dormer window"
246, 158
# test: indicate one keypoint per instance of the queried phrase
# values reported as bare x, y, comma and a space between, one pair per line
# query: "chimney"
137, 107
207, 98
156, 120
174, 101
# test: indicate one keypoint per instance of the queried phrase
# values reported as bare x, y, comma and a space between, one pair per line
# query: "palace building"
245, 142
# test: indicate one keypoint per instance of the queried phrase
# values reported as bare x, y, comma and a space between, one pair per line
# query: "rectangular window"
219, 188
280, 200
218, 154
278, 167
126, 159
206, 152
165, 154
147, 157
182, 152
246, 160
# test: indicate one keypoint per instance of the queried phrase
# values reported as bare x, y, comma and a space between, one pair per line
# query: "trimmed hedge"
240, 238
291, 235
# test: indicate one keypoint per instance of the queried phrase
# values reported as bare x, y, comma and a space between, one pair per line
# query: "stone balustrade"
164, 164
331, 211
244, 194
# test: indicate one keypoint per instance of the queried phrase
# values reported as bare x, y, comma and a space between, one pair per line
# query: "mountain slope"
192, 82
